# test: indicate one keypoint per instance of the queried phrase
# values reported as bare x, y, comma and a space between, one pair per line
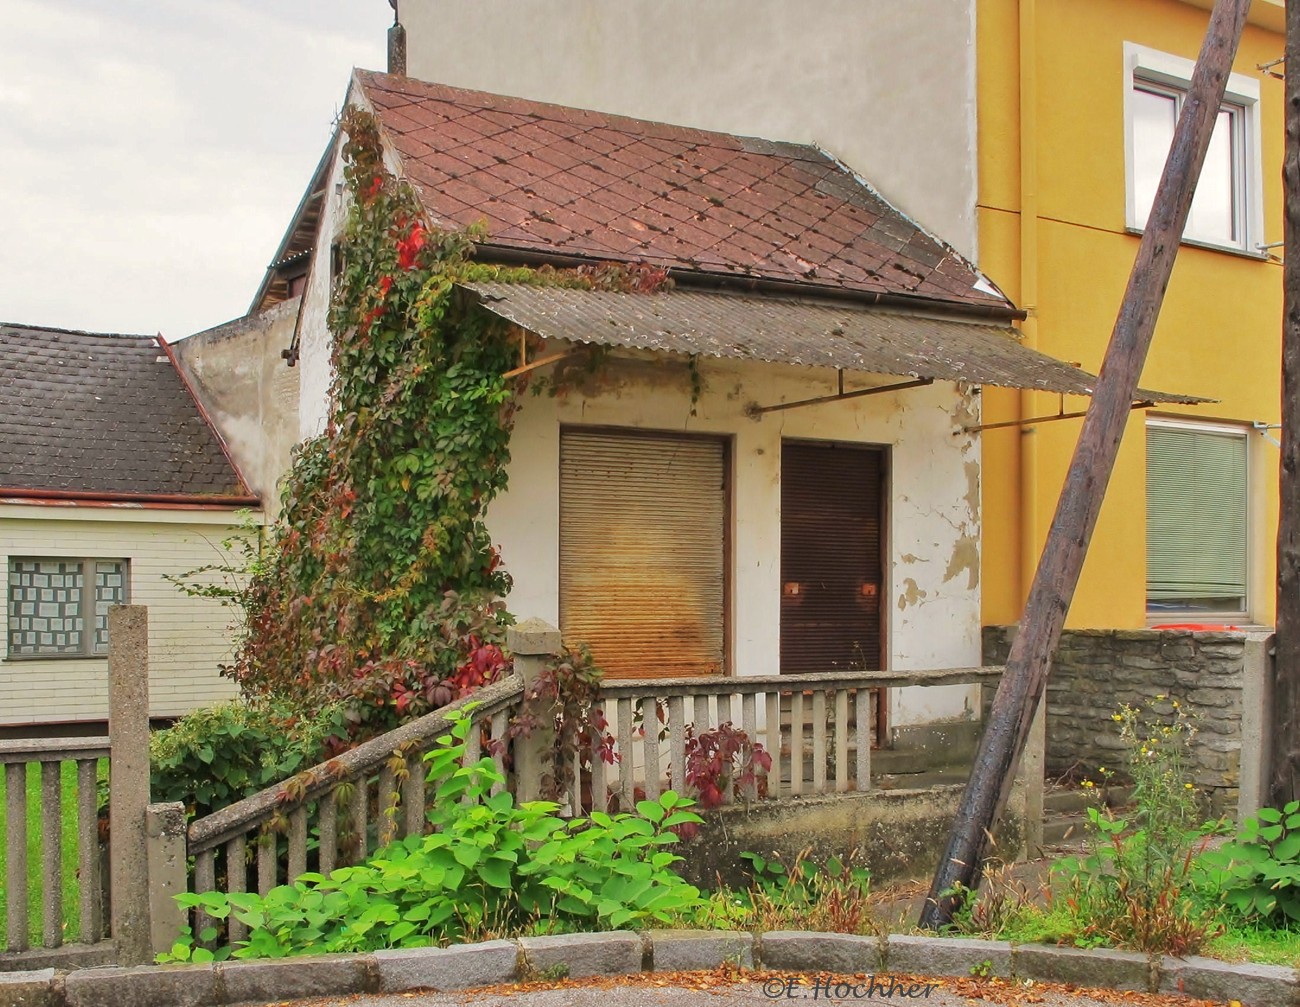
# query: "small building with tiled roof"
776, 468
113, 482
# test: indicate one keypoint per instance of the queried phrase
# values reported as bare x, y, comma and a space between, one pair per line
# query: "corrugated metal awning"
783, 330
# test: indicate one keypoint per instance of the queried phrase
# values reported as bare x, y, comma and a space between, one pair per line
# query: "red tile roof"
564, 180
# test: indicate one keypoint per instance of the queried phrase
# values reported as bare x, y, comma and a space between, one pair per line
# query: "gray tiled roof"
91, 413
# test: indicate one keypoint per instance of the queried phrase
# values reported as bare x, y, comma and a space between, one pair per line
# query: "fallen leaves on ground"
999, 992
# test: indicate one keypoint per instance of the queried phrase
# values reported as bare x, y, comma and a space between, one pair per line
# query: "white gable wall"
887, 86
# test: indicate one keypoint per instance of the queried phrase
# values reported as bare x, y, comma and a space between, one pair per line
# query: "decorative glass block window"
1197, 520
50, 601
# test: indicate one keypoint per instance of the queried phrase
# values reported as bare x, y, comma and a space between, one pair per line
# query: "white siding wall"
188, 637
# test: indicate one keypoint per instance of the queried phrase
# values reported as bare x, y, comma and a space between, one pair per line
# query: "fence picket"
796, 742
236, 881
841, 740
16, 855
51, 854
91, 887
297, 843
862, 728
650, 745
819, 741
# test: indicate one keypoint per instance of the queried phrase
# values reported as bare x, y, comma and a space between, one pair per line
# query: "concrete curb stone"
259, 980
947, 956
1211, 979
142, 986
797, 950
1117, 970
690, 950
617, 952
462, 967
27, 989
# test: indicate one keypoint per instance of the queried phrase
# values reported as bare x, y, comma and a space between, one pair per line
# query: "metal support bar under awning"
756, 410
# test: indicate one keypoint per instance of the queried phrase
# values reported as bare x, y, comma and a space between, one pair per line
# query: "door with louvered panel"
832, 565
642, 551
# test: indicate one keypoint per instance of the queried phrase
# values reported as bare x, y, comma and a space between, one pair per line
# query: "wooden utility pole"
1284, 758
1049, 599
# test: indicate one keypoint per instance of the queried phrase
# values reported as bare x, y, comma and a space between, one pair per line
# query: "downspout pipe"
1028, 286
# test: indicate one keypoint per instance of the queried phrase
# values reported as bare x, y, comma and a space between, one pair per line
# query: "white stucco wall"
188, 637
932, 578
886, 86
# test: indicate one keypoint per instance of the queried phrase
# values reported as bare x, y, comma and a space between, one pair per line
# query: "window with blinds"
1197, 526
642, 551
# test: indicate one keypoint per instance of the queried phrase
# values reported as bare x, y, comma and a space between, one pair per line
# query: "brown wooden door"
642, 551
832, 570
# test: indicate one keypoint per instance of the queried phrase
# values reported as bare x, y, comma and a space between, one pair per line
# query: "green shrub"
219, 754
1258, 872
489, 867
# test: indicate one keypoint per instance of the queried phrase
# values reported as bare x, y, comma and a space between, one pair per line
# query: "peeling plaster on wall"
907, 557
912, 594
965, 556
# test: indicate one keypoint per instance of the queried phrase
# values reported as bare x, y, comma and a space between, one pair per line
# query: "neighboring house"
817, 504
1087, 93
111, 480
1076, 105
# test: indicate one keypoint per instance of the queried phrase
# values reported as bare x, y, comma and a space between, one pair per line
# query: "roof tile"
84, 412
602, 186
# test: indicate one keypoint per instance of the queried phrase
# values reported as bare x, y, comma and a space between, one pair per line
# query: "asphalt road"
613, 993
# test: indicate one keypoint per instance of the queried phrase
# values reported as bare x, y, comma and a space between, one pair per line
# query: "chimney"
396, 44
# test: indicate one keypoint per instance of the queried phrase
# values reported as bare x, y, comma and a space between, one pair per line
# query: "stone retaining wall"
1218, 676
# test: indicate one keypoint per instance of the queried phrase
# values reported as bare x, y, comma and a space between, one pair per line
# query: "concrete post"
1033, 765
1256, 673
533, 643
128, 729
165, 828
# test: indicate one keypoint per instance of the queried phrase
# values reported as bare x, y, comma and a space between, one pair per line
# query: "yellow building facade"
1075, 98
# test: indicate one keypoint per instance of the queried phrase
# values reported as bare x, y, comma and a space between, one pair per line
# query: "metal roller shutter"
642, 550
831, 562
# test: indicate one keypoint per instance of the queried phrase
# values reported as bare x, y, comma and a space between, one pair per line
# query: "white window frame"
1166, 72
1242, 617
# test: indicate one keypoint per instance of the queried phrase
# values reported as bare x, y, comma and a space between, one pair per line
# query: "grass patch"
71, 887
1245, 942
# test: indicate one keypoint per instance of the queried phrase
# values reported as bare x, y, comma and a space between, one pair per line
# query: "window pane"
1213, 217
1154, 116
110, 589
45, 607
1196, 521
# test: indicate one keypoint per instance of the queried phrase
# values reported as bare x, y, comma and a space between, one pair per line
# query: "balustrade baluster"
677, 743
327, 811
627, 757
749, 720
599, 774
236, 881
386, 824
772, 739
650, 745
16, 855
267, 852
796, 742
359, 812
413, 796
819, 741
89, 884
863, 730
297, 843
841, 740
205, 880
500, 725
51, 854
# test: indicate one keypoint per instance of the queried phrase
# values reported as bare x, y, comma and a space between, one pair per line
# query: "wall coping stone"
621, 952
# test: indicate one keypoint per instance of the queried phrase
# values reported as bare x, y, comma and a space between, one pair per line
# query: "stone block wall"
1218, 676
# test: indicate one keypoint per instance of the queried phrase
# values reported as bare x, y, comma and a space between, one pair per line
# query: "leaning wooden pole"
1284, 736
1022, 685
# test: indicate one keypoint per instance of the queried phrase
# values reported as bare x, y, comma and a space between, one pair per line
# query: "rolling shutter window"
1196, 520
642, 532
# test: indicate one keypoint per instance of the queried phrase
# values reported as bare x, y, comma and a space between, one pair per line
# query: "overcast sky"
152, 151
